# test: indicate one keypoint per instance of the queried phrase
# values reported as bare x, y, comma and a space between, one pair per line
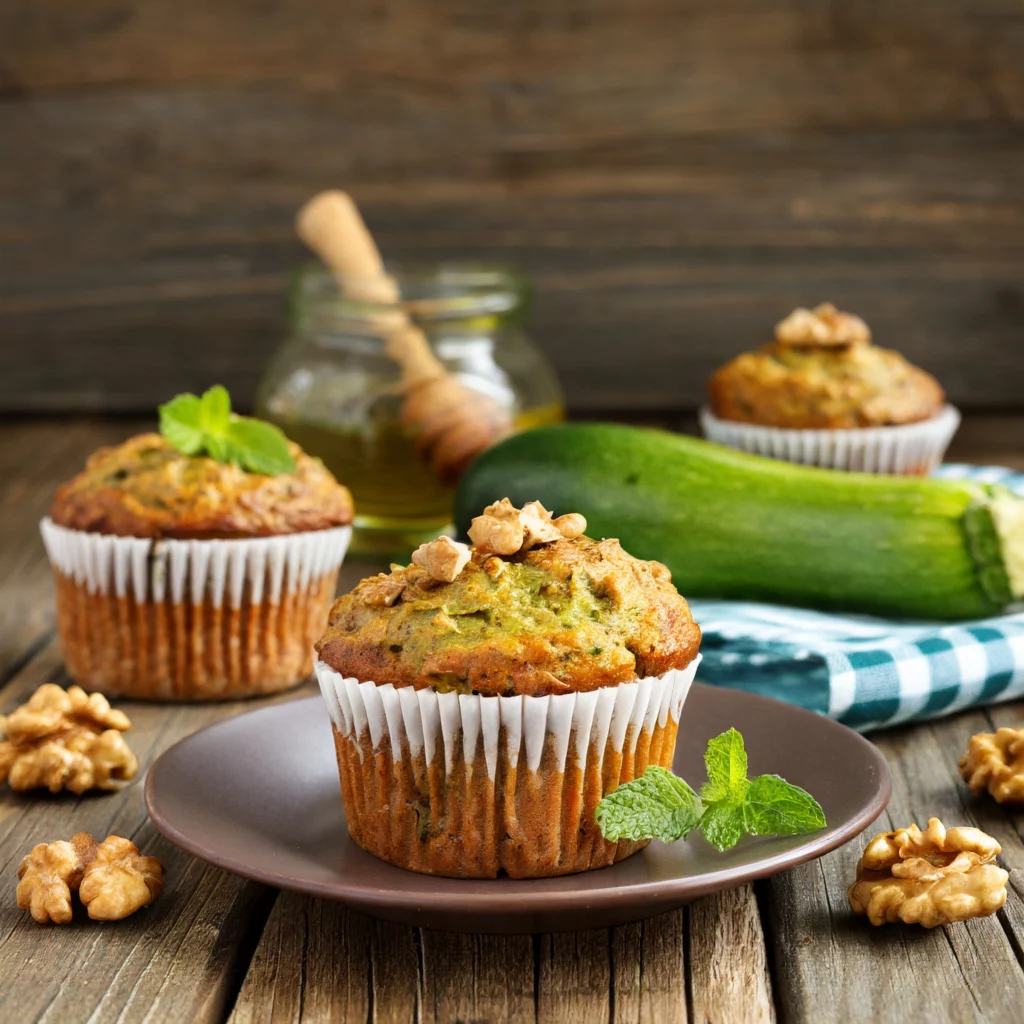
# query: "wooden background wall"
673, 174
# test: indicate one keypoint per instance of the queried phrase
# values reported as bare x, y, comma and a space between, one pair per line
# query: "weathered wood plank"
477, 977
832, 965
574, 977
395, 984
728, 967
634, 973
312, 964
649, 970
674, 174
878, 58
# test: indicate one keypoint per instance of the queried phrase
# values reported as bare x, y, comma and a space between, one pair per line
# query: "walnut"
443, 558
65, 740
822, 327
995, 761
930, 878
381, 591
571, 525
499, 530
51, 710
505, 530
419, 578
538, 527
119, 880
112, 879
77, 762
49, 874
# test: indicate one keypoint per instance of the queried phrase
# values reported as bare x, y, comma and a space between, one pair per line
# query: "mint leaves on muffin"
207, 426
660, 805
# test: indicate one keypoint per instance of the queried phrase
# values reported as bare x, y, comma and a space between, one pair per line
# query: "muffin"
820, 393
484, 699
181, 577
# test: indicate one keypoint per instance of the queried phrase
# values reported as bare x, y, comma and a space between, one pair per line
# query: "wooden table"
217, 947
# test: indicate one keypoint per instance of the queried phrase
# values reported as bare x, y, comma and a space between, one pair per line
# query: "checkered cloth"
866, 672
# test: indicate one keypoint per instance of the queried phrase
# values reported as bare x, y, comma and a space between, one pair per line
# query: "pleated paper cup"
913, 449
471, 786
183, 620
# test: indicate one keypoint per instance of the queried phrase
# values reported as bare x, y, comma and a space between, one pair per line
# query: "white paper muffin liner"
912, 449
192, 619
469, 785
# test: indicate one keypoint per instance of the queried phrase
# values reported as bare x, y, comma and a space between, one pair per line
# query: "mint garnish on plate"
660, 805
206, 425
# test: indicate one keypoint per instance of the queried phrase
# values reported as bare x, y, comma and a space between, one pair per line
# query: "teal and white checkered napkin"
865, 672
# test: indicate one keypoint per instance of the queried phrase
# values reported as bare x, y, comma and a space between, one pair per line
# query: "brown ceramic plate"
259, 795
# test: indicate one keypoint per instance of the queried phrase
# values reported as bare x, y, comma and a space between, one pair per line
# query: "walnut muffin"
483, 702
821, 373
181, 577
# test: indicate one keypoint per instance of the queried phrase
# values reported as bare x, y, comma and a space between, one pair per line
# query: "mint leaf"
215, 407
774, 807
262, 447
723, 824
181, 423
196, 425
658, 805
217, 447
734, 806
726, 763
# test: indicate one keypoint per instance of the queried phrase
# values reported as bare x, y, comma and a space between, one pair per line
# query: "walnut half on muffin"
478, 720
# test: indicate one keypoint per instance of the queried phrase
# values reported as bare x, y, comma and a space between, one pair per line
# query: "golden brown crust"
572, 615
146, 488
832, 383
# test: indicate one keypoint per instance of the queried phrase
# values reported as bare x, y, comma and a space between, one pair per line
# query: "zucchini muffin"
180, 577
821, 393
484, 699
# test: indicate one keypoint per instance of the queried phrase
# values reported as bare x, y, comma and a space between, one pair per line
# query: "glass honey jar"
334, 390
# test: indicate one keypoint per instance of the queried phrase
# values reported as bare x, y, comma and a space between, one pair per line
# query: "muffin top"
821, 371
146, 487
534, 607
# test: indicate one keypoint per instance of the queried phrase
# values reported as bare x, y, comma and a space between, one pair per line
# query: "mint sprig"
197, 425
659, 805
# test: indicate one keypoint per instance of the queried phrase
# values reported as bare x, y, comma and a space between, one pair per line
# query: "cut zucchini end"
1008, 518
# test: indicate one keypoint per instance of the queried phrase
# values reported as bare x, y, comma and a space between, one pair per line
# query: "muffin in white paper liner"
912, 449
468, 785
191, 619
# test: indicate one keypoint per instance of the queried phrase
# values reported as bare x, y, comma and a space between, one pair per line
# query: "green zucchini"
733, 525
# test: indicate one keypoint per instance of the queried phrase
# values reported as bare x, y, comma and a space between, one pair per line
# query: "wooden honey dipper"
452, 422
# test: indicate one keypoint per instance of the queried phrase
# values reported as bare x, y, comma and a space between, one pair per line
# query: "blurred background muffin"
483, 702
821, 393
181, 576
